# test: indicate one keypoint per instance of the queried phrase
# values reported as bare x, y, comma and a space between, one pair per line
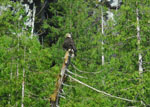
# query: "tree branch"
83, 71
74, 74
107, 94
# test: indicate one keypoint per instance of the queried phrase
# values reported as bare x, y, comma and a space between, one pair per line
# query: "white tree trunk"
18, 58
11, 69
33, 20
22, 105
103, 58
23, 82
138, 42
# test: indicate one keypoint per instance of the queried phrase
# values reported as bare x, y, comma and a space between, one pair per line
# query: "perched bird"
69, 44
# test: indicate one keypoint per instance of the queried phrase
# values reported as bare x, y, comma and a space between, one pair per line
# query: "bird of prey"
69, 44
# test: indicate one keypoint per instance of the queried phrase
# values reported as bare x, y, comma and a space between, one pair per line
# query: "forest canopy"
113, 56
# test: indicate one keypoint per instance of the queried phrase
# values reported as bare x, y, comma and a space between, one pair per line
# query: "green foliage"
119, 76
21, 53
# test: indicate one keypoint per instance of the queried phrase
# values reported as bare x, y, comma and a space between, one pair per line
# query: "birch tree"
23, 81
103, 57
139, 40
33, 20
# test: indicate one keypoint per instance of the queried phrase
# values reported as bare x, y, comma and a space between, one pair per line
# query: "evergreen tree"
29, 70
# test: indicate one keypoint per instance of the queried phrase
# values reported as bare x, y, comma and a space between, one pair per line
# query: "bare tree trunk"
138, 42
11, 69
18, 58
10, 80
23, 82
54, 98
33, 20
103, 57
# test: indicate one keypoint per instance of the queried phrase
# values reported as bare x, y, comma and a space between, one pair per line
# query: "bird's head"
68, 35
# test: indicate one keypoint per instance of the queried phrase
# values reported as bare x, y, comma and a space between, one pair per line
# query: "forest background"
115, 53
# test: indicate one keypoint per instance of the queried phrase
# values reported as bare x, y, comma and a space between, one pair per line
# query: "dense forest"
112, 63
